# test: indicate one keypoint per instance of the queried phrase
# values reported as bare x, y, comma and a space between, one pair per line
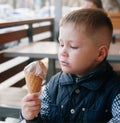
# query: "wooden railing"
26, 29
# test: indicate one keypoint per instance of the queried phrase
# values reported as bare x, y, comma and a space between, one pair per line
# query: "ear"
102, 53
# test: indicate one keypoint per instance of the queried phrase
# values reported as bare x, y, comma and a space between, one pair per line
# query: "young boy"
87, 90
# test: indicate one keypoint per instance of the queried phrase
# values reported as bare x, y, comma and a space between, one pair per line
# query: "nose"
63, 51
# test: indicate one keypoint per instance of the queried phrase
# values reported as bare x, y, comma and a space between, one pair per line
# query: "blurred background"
22, 9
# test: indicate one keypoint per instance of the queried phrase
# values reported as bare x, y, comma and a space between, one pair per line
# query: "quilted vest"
83, 100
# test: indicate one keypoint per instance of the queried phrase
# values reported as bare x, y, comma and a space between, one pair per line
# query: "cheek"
75, 59
76, 55
82, 58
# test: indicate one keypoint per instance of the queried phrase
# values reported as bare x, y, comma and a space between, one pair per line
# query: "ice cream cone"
33, 82
34, 75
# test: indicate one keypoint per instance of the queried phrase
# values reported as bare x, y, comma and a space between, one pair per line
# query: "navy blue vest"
83, 100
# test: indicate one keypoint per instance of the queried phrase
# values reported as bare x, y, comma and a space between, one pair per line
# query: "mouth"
64, 63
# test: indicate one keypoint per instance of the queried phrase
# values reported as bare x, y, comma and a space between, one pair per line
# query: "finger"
32, 115
36, 113
29, 116
32, 103
32, 111
30, 97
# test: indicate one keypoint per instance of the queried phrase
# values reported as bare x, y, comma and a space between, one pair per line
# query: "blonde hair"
91, 19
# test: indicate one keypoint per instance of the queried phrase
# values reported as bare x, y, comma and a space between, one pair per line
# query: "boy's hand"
30, 106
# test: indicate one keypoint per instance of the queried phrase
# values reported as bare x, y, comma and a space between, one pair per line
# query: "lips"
64, 63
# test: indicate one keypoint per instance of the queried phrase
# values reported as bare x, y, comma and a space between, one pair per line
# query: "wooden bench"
11, 68
115, 18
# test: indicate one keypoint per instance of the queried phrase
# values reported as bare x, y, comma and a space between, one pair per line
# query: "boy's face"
77, 53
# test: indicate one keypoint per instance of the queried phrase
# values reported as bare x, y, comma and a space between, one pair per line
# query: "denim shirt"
71, 99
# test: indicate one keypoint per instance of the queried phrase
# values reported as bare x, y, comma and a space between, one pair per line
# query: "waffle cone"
33, 82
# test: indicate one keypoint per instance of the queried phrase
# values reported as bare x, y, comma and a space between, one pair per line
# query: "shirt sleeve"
45, 101
116, 110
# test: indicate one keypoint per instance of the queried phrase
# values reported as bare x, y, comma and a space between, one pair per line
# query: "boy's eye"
74, 47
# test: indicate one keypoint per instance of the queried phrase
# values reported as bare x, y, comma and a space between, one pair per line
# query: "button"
62, 106
106, 110
77, 80
72, 111
77, 91
83, 109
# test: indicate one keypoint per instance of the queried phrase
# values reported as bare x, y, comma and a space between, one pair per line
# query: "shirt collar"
92, 81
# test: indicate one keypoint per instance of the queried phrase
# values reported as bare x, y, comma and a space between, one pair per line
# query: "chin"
66, 70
